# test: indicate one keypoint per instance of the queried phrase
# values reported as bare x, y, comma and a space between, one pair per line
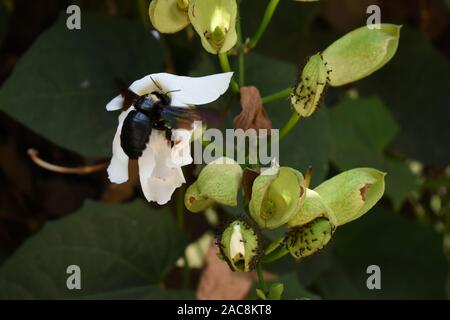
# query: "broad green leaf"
360, 53
408, 254
117, 247
361, 132
61, 85
415, 87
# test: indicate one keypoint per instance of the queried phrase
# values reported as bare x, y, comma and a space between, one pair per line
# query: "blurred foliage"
119, 249
61, 85
59, 88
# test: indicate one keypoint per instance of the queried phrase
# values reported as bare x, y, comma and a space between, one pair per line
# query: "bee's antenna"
156, 83
172, 91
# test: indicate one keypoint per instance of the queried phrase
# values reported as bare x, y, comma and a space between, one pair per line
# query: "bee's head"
158, 96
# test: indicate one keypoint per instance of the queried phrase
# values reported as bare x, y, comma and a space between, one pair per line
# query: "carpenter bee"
153, 111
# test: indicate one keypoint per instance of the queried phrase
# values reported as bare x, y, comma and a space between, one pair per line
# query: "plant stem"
283, 94
180, 207
143, 12
225, 65
241, 49
261, 282
295, 117
270, 9
275, 255
180, 221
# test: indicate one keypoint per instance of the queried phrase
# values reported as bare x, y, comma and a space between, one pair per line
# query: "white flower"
160, 165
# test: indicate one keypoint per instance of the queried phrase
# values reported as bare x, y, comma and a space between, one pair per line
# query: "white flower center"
237, 248
220, 19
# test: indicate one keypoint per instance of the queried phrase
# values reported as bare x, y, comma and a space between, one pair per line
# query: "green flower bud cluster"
213, 20
280, 197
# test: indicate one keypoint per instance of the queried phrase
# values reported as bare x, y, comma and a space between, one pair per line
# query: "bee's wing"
129, 98
182, 117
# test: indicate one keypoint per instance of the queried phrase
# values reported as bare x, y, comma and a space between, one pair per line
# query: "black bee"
153, 111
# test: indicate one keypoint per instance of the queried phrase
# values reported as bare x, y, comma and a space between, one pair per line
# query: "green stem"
241, 50
143, 12
275, 255
180, 207
261, 282
283, 94
270, 10
180, 221
225, 65
295, 117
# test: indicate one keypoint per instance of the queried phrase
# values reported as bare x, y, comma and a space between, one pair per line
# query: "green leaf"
360, 53
361, 131
276, 291
117, 247
61, 86
415, 87
408, 254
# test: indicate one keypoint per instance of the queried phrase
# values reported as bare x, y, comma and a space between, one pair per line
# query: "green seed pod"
241, 245
313, 207
352, 193
215, 23
218, 182
169, 16
307, 94
276, 197
310, 238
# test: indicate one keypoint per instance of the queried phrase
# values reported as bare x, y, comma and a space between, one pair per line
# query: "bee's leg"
169, 136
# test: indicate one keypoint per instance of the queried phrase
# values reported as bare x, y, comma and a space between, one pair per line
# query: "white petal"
194, 90
160, 184
115, 104
146, 166
181, 150
118, 168
140, 87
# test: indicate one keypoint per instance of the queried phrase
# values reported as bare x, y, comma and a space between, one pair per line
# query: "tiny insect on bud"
310, 238
240, 245
307, 94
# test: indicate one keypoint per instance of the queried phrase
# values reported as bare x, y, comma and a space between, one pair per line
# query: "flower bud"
307, 94
169, 16
361, 52
313, 208
215, 23
241, 246
276, 197
218, 182
352, 193
310, 238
